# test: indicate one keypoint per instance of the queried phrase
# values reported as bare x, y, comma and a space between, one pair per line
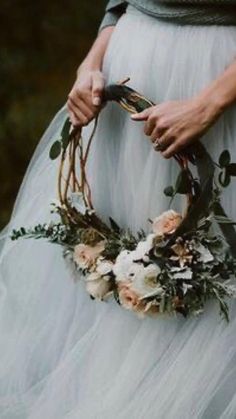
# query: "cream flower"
145, 283
166, 223
123, 264
85, 256
104, 267
98, 286
143, 248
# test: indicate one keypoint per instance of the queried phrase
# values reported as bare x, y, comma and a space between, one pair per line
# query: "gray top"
194, 12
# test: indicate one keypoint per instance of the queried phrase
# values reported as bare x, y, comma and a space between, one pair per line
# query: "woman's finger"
149, 126
157, 133
72, 116
142, 116
73, 119
171, 150
98, 84
80, 117
166, 140
83, 107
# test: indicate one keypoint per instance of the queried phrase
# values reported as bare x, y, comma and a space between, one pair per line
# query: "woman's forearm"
221, 93
94, 59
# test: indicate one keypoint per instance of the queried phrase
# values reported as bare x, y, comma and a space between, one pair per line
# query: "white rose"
145, 282
134, 271
85, 256
143, 248
122, 264
104, 267
166, 223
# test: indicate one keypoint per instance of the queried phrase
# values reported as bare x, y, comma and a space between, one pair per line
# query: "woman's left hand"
174, 125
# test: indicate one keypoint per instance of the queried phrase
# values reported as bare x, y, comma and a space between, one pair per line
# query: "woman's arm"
174, 125
222, 91
84, 99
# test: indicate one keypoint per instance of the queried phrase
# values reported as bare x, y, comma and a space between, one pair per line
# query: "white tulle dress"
63, 355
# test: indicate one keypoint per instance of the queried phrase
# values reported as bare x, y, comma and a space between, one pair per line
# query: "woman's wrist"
213, 102
221, 93
87, 66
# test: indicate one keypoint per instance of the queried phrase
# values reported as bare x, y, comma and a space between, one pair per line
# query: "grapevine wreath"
184, 260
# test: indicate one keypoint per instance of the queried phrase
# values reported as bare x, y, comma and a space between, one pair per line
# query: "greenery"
42, 44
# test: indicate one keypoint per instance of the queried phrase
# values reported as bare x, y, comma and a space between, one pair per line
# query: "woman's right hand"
85, 98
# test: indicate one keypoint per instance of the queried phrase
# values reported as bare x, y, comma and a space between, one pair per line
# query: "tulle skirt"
63, 355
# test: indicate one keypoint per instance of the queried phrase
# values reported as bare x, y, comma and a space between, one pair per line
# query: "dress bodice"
219, 12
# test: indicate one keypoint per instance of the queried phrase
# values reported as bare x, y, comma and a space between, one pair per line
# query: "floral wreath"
184, 261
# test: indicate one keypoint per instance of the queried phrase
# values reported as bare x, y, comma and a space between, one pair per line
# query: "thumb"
141, 116
98, 84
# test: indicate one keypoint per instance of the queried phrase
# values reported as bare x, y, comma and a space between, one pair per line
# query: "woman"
62, 354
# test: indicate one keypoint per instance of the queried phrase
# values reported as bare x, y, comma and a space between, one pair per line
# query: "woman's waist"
192, 14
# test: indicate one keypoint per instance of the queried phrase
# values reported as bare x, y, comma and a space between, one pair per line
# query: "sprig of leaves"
62, 143
228, 169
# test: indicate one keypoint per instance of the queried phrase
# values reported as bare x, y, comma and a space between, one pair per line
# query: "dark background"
42, 44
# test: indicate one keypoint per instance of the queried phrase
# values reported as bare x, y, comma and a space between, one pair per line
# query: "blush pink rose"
166, 223
130, 300
85, 256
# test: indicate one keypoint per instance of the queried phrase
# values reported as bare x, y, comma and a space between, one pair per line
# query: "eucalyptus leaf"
224, 220
114, 225
65, 142
183, 184
231, 169
55, 150
224, 178
224, 159
169, 191
65, 134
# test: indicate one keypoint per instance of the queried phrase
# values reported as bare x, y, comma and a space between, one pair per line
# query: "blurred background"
41, 45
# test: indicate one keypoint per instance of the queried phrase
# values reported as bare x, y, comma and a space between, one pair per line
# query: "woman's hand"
85, 98
174, 125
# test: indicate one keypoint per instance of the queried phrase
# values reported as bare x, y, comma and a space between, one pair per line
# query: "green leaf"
224, 158
169, 191
55, 150
231, 169
65, 133
183, 183
66, 128
224, 178
223, 305
114, 225
65, 141
224, 220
